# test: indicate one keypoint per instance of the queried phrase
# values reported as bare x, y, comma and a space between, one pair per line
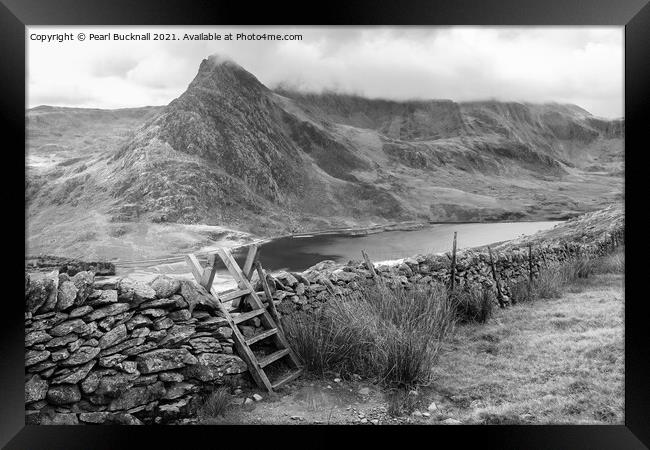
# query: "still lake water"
297, 254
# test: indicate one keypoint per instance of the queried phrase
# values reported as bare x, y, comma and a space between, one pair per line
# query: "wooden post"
530, 269
250, 260
370, 265
453, 263
267, 293
209, 273
496, 279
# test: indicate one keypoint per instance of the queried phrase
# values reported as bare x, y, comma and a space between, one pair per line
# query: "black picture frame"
15, 15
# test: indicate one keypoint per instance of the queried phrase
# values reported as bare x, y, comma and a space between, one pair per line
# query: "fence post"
453, 263
530, 269
496, 279
370, 265
267, 293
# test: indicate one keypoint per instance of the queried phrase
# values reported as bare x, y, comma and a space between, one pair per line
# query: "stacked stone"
129, 352
124, 352
70, 266
306, 291
289, 291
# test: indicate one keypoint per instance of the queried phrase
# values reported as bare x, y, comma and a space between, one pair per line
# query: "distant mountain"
229, 151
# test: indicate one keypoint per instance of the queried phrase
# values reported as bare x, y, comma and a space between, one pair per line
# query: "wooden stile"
250, 261
246, 292
267, 293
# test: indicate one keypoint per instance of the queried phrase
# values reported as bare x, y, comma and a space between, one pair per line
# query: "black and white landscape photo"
324, 225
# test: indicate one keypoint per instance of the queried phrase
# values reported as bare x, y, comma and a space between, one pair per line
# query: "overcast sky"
580, 65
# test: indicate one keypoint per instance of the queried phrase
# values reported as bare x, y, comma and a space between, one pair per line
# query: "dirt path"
310, 401
549, 361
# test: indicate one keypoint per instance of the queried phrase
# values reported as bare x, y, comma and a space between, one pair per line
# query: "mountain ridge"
231, 152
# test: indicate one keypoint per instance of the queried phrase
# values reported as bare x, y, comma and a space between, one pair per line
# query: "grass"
213, 404
473, 303
557, 361
390, 335
554, 361
612, 263
572, 275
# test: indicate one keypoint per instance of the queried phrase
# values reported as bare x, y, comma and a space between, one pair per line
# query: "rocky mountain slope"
232, 152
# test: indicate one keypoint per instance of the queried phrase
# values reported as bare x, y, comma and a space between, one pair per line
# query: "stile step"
289, 377
260, 336
231, 295
248, 315
268, 359
229, 303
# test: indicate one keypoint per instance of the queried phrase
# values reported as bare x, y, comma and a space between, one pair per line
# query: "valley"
231, 161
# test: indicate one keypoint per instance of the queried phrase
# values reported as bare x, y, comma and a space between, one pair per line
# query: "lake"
298, 254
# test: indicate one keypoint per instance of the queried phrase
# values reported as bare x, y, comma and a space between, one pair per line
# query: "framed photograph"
382, 218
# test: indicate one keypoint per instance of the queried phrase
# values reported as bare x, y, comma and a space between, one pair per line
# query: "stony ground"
549, 361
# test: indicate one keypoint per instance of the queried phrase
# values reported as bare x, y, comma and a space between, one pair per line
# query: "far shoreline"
342, 231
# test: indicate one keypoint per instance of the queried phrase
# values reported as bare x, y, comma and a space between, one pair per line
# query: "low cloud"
581, 65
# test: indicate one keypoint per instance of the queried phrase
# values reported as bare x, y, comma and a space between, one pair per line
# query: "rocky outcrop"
120, 353
309, 154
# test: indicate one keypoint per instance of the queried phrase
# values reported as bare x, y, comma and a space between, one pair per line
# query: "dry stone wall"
125, 353
306, 291
71, 266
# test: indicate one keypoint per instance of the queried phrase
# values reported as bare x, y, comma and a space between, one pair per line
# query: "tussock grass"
213, 404
578, 268
520, 292
391, 335
548, 284
323, 344
395, 336
473, 303
613, 263
572, 275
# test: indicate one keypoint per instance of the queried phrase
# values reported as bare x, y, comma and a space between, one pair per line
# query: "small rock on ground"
451, 421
